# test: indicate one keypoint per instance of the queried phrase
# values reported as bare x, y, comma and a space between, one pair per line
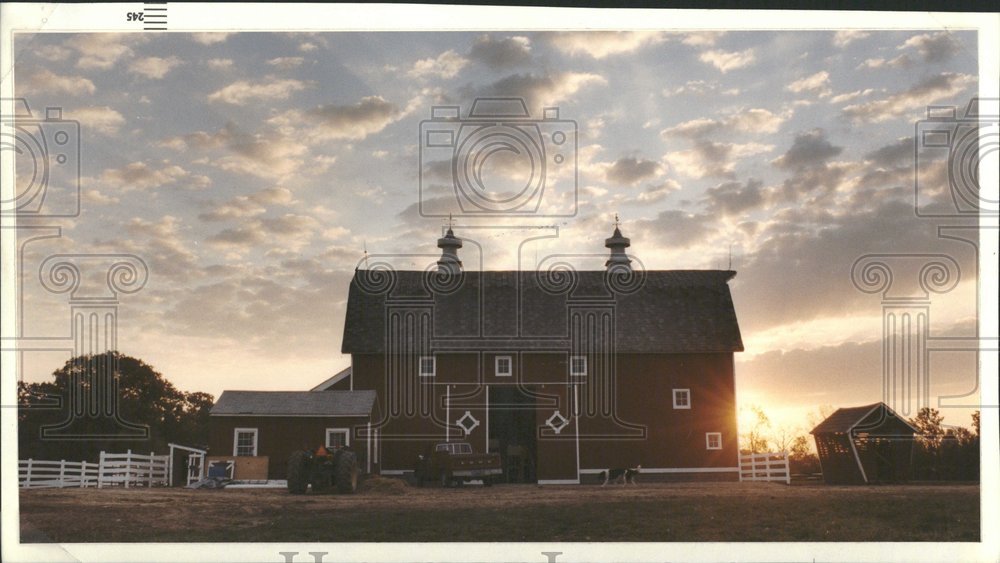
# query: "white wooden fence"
127, 470
771, 466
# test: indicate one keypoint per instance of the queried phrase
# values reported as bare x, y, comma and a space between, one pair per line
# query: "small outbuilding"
860, 445
255, 432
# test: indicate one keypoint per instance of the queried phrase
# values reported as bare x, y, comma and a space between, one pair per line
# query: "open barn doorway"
512, 432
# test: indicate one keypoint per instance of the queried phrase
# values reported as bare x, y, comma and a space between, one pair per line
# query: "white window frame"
708, 440
420, 366
573, 373
510, 366
345, 431
687, 393
236, 440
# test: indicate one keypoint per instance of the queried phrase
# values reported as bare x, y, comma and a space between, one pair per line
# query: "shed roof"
667, 311
844, 419
299, 403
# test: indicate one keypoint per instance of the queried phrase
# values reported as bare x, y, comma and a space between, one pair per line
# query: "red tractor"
323, 469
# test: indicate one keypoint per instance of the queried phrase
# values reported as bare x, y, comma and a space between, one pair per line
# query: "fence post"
788, 470
27, 483
128, 467
83, 474
100, 472
753, 466
62, 472
151, 459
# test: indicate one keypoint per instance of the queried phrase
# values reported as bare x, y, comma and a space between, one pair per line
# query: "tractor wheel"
346, 473
487, 481
298, 473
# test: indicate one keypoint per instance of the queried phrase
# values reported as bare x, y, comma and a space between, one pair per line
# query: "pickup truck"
455, 462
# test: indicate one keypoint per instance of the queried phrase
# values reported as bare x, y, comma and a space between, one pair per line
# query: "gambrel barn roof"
671, 311
297, 403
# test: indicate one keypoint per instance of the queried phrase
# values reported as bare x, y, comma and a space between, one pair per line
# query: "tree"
928, 425
142, 398
756, 439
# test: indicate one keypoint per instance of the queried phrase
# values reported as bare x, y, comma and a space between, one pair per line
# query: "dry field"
390, 511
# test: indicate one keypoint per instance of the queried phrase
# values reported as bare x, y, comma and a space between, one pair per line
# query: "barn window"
245, 442
682, 398
338, 437
428, 366
503, 366
713, 440
578, 365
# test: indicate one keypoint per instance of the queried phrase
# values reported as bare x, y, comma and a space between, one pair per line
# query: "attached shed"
869, 444
257, 431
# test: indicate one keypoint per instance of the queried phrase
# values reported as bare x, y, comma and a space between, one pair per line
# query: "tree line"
107, 402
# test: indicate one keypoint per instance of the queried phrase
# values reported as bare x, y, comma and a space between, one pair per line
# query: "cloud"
702, 38
270, 155
658, 192
241, 207
629, 171
902, 61
103, 119
753, 120
845, 37
140, 176
164, 249
153, 67
209, 38
726, 61
291, 230
927, 91
501, 53
542, 90
809, 150
355, 121
219, 64
53, 53
734, 198
102, 50
700, 87
308, 47
709, 158
900, 151
286, 63
44, 80
673, 228
242, 91
817, 84
98, 198
601, 44
848, 96
933, 47
446, 65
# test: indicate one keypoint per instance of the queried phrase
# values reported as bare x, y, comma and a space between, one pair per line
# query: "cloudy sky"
250, 170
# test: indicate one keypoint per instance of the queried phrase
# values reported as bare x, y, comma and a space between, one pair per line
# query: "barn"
564, 373
868, 444
257, 431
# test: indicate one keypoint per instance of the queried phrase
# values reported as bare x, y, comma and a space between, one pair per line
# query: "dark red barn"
564, 373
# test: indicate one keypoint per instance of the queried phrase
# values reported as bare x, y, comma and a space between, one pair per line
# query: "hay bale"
378, 485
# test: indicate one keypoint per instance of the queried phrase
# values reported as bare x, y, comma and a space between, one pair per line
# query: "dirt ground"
389, 512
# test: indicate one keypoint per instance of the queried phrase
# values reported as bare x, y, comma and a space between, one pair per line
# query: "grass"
650, 512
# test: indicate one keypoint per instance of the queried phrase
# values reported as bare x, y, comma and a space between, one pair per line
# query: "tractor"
323, 469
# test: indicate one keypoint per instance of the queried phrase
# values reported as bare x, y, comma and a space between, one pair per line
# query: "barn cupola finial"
449, 245
617, 243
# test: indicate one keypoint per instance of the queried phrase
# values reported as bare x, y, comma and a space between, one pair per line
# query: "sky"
251, 172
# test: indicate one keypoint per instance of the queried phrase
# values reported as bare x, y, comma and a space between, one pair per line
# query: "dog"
623, 475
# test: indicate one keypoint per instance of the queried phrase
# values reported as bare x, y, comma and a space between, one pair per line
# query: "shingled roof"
842, 420
300, 403
672, 311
